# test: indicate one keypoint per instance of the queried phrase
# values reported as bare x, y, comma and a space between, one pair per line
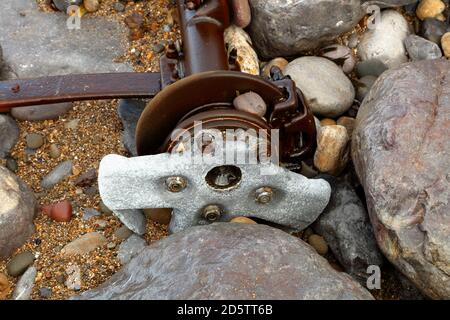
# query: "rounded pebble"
318, 243
34, 140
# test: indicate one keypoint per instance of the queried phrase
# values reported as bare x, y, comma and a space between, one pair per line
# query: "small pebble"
91, 5
119, 7
243, 220
332, 152
250, 102
123, 233
277, 62
45, 293
4, 286
54, 151
318, 243
20, 263
60, 212
445, 42
34, 140
11, 164
327, 122
430, 9
104, 209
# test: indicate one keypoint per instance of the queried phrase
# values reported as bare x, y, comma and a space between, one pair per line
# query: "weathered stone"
250, 102
401, 153
52, 48
346, 227
130, 248
326, 88
84, 244
20, 263
9, 134
288, 28
42, 112
17, 210
61, 171
24, 286
422, 49
385, 41
201, 263
239, 41
332, 152
4, 286
129, 111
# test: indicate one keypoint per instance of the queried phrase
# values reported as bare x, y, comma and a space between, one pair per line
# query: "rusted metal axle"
206, 85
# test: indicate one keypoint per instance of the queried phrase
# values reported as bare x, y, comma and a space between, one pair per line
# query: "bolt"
212, 213
264, 195
176, 184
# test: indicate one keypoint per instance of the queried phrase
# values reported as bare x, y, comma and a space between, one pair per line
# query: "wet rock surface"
201, 263
276, 31
401, 154
18, 26
17, 210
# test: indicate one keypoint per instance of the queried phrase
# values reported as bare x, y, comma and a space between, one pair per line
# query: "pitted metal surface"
141, 182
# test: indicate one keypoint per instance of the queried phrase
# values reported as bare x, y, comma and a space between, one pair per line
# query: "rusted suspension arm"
48, 90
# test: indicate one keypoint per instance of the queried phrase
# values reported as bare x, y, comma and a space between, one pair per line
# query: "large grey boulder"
17, 210
401, 151
37, 44
229, 261
287, 28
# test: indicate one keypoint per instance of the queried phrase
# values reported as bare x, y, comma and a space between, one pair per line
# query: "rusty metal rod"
56, 89
203, 38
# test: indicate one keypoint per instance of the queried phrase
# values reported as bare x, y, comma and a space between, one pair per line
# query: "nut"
264, 195
176, 184
212, 213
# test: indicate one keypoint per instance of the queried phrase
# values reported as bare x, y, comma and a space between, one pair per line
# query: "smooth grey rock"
129, 111
133, 219
63, 5
433, 29
25, 285
401, 153
89, 213
61, 171
17, 211
20, 263
228, 261
385, 42
39, 113
281, 28
130, 248
388, 3
326, 88
422, 49
371, 67
346, 228
51, 48
9, 135
363, 87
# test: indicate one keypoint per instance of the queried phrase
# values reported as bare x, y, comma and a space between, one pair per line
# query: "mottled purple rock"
17, 210
401, 151
229, 261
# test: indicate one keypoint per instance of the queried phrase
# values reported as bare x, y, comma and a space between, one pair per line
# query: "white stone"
386, 41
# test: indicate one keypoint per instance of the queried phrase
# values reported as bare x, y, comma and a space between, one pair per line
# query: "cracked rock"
401, 151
